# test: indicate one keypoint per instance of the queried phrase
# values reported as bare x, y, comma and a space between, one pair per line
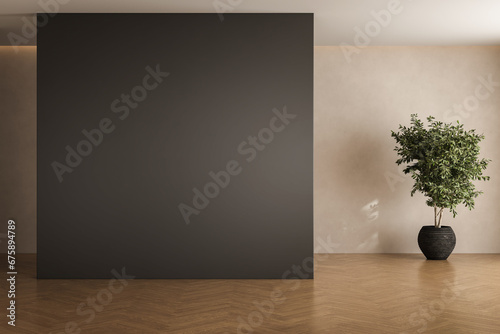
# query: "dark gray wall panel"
119, 207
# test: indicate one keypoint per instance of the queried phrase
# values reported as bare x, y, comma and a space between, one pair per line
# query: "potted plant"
443, 159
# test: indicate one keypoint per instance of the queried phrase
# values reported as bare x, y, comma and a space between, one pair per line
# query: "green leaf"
443, 160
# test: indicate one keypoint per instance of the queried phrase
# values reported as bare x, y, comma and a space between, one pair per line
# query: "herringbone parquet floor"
351, 293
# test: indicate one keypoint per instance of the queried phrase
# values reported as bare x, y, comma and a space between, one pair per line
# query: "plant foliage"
443, 159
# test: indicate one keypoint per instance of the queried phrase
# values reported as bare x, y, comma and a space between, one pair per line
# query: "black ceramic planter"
436, 243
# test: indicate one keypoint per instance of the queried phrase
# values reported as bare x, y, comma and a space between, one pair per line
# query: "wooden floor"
354, 293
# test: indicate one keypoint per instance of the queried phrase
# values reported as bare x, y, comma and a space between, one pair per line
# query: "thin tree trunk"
440, 217
435, 217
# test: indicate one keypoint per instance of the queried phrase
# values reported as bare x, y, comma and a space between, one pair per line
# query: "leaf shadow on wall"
355, 199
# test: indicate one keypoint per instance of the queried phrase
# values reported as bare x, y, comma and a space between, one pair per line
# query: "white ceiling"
420, 22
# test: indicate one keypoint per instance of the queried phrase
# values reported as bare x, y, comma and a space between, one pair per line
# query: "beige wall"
18, 146
356, 106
